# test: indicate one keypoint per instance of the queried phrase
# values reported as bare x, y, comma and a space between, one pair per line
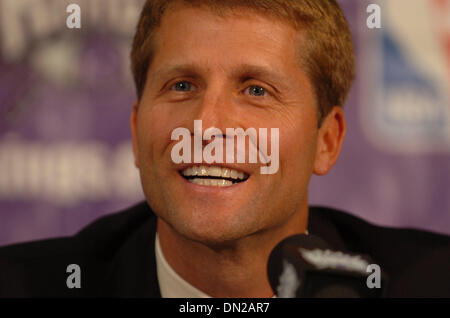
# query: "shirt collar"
171, 284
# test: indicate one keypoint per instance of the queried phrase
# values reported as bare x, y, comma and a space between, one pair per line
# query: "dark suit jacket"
117, 257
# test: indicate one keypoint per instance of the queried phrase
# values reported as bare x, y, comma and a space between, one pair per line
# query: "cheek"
151, 135
297, 150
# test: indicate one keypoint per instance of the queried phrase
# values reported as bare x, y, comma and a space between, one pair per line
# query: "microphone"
304, 266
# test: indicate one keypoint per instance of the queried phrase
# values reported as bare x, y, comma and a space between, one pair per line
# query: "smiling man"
244, 67
207, 228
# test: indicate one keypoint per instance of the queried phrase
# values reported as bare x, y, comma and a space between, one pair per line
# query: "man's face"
230, 72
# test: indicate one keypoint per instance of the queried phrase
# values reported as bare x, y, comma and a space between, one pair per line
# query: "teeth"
226, 173
190, 171
213, 171
203, 171
212, 182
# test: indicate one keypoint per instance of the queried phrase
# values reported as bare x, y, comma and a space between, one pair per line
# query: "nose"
214, 108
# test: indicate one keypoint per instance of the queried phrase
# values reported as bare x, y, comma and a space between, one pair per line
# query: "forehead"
194, 34
227, 12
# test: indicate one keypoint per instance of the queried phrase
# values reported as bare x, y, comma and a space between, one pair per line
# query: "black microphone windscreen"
306, 266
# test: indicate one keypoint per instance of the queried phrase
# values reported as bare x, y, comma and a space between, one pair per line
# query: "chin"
217, 228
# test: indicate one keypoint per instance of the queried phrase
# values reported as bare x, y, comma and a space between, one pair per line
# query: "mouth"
213, 176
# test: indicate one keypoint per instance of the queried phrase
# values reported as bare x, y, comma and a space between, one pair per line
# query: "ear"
133, 125
330, 138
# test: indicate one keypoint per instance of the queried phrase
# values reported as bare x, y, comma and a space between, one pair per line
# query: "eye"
182, 86
257, 91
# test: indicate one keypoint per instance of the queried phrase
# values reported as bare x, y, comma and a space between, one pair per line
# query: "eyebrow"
246, 71
242, 72
170, 69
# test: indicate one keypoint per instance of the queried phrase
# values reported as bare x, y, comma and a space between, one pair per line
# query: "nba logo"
404, 69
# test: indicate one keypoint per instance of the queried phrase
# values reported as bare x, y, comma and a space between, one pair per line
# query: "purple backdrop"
66, 96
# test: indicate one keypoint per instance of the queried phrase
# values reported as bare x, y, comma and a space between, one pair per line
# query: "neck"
236, 270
